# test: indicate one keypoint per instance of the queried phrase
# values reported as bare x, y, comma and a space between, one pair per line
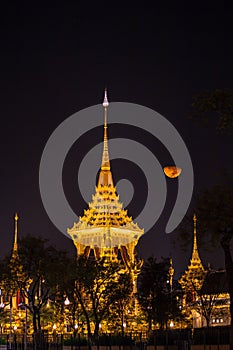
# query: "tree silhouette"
156, 298
215, 205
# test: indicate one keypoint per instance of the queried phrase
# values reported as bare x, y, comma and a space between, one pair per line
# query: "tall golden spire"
15, 246
105, 177
105, 158
195, 254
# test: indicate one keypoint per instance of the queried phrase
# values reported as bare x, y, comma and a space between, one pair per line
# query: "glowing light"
171, 324
105, 103
54, 327
67, 302
15, 327
172, 171
76, 326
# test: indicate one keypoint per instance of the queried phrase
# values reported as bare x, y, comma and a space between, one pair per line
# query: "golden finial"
105, 105
105, 158
16, 217
105, 102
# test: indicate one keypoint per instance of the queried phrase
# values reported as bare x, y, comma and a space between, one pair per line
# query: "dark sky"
57, 59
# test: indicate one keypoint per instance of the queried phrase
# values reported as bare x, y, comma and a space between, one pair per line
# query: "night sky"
57, 59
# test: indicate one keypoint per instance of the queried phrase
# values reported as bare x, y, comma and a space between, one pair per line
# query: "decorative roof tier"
105, 224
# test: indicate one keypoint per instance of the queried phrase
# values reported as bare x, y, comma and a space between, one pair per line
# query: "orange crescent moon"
172, 171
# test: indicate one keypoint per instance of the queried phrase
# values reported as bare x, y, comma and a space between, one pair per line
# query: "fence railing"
31, 342
181, 339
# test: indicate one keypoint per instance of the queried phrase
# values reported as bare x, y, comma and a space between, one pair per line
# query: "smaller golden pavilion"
194, 276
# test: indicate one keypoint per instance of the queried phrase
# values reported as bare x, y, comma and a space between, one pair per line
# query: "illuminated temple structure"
192, 280
105, 229
204, 286
195, 273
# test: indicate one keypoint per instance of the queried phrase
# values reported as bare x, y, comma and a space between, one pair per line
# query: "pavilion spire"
15, 246
105, 157
195, 254
105, 176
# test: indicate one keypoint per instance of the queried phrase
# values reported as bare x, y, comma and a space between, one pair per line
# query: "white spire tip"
105, 103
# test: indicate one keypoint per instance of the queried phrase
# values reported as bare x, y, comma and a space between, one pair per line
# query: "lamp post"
54, 332
26, 324
67, 303
71, 308
170, 281
10, 343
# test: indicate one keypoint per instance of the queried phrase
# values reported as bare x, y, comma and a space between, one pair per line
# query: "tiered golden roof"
105, 225
105, 210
